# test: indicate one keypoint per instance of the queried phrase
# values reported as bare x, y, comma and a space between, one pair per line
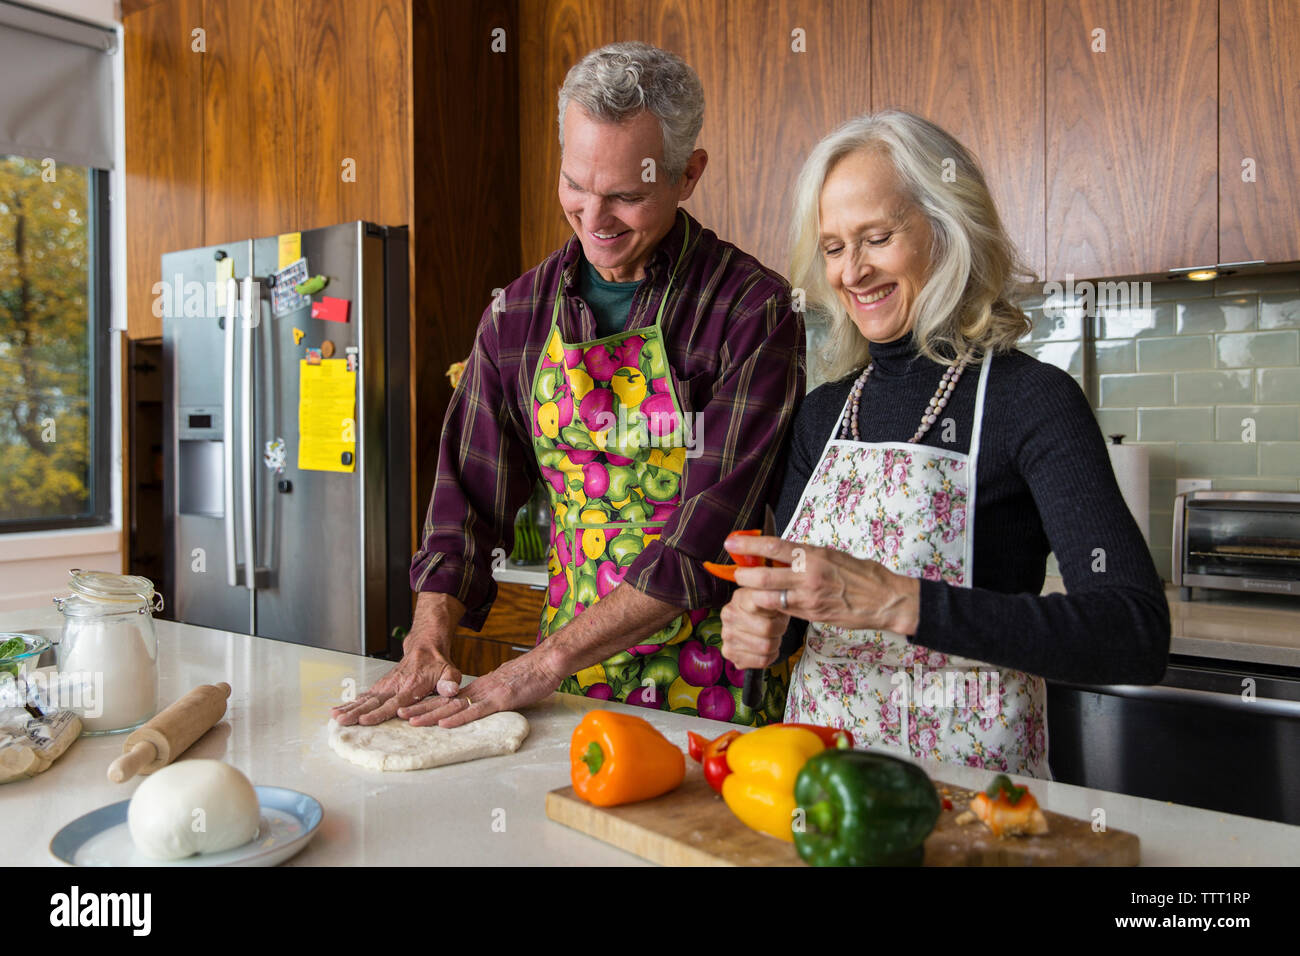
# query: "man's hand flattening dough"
421, 671
516, 683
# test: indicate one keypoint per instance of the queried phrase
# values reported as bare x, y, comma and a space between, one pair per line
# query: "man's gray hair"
615, 82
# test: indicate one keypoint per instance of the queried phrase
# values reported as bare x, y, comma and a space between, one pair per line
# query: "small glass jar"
108, 656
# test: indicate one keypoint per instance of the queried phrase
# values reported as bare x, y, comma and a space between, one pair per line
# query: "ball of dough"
194, 806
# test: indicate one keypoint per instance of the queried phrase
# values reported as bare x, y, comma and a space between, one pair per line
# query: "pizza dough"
396, 745
193, 806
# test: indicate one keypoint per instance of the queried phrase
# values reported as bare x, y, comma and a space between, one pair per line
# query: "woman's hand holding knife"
816, 584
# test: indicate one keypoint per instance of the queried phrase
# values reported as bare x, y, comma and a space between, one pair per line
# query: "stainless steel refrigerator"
286, 436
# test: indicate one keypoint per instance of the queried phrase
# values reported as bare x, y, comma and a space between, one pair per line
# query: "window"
54, 346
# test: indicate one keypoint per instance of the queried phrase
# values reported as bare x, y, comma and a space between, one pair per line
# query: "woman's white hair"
618, 81
968, 301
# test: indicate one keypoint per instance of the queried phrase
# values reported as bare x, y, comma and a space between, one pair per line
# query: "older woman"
925, 487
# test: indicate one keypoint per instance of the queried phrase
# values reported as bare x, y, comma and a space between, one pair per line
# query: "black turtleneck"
1044, 484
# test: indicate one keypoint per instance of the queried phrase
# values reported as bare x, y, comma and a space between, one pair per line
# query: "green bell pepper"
863, 809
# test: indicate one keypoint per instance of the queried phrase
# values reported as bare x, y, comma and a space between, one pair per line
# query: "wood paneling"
352, 98
974, 67
510, 630
1131, 132
476, 657
779, 103
465, 236
690, 28
248, 117
1259, 119
164, 149
554, 35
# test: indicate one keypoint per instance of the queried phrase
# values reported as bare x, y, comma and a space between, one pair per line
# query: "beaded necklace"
951, 375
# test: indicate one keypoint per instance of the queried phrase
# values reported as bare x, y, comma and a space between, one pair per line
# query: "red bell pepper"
712, 756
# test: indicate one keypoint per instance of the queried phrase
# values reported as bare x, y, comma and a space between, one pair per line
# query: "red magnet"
330, 309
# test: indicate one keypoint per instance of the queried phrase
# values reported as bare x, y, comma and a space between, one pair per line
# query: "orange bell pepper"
617, 758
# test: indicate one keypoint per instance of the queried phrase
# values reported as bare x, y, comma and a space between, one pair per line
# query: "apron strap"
972, 460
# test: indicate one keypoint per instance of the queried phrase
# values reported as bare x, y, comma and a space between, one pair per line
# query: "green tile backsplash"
1205, 374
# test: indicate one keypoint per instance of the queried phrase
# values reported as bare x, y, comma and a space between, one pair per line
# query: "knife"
755, 677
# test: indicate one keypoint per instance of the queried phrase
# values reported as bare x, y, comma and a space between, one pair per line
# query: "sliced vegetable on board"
712, 756
861, 808
617, 758
1007, 809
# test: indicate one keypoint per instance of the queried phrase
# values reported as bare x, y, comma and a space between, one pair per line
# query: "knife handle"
752, 695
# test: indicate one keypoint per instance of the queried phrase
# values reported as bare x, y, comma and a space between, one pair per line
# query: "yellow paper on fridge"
327, 403
289, 249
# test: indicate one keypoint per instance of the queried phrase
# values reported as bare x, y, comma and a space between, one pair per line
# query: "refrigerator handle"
252, 312
228, 432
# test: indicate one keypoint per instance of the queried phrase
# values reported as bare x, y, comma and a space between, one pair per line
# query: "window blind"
56, 87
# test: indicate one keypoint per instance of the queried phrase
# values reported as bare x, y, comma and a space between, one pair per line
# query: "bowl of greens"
19, 652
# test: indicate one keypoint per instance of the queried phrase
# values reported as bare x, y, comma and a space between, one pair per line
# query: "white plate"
101, 838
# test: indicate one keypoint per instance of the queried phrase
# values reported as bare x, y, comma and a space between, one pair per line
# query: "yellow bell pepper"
764, 765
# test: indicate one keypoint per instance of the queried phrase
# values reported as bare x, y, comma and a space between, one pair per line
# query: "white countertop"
274, 731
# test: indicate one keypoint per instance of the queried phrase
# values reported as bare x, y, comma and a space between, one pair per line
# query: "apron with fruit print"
911, 508
608, 435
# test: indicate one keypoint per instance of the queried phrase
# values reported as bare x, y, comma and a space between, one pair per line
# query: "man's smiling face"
619, 218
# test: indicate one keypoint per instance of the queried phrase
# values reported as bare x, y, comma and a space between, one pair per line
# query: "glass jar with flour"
108, 656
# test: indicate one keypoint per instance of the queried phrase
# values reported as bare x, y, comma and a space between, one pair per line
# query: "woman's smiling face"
876, 244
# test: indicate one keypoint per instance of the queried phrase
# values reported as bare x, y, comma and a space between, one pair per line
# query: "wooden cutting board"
693, 827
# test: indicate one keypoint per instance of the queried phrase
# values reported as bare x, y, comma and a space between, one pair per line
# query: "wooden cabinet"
974, 67
1131, 131
510, 630
785, 90
1259, 130
284, 115
164, 149
554, 35
766, 91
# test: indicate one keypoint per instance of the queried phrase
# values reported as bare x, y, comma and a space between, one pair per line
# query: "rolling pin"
166, 736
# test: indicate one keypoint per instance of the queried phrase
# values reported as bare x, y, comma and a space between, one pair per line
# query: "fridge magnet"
330, 309
297, 336
327, 349
352, 362
313, 356
311, 286
274, 456
283, 297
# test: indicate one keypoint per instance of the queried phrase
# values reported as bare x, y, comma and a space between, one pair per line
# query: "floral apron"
608, 433
911, 508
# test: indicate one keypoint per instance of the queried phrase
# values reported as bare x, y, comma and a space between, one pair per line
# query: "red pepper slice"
715, 764
745, 560
695, 745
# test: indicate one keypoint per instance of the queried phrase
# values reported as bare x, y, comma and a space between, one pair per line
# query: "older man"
648, 372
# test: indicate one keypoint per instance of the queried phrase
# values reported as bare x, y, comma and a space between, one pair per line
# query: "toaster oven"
1237, 540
